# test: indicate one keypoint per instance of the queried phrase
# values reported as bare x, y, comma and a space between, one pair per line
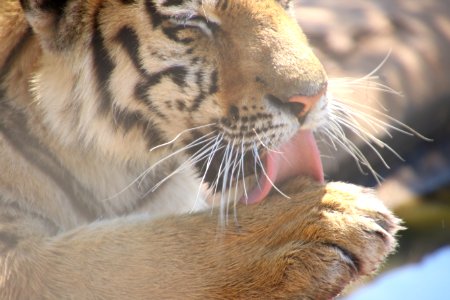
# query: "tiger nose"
307, 102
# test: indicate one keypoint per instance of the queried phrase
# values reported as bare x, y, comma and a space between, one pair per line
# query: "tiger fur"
92, 94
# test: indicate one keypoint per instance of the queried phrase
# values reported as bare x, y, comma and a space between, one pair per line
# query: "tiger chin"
164, 149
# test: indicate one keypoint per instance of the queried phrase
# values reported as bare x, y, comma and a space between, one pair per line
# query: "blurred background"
352, 38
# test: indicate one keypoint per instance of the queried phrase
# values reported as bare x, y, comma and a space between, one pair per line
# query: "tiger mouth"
298, 156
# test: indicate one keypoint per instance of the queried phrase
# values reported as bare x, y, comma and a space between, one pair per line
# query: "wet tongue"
298, 156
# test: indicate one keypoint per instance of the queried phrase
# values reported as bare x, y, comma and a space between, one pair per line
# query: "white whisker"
214, 150
361, 134
368, 137
406, 129
196, 157
180, 134
262, 143
267, 176
141, 177
350, 148
199, 141
223, 208
241, 162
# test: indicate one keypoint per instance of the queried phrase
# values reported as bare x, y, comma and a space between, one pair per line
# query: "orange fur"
68, 227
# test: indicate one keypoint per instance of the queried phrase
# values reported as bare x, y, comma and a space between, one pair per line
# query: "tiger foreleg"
307, 247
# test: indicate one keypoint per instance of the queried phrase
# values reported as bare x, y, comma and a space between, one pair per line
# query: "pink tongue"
298, 156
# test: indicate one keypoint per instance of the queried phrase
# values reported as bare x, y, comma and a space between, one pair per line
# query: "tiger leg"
308, 247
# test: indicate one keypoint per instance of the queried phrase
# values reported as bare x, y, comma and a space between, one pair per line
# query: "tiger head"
227, 82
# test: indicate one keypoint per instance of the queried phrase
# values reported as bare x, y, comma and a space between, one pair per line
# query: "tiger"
165, 149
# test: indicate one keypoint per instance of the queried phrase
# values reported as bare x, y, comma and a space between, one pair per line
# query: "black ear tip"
51, 6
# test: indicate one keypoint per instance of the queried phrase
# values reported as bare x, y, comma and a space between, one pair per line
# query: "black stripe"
211, 25
126, 2
103, 66
202, 96
126, 119
189, 51
172, 33
181, 106
153, 134
54, 6
155, 17
200, 77
214, 85
195, 60
141, 93
197, 102
129, 40
223, 5
169, 104
177, 74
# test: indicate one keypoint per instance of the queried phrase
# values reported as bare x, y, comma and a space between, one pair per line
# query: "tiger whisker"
236, 168
357, 118
230, 184
142, 176
362, 135
360, 131
336, 134
179, 135
357, 126
377, 68
406, 129
267, 176
357, 157
349, 85
263, 144
255, 149
194, 143
351, 148
224, 183
215, 184
242, 167
329, 142
192, 160
214, 150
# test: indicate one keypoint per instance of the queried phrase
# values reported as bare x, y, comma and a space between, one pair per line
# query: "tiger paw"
312, 245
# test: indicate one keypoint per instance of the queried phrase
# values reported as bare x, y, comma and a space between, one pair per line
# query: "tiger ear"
45, 16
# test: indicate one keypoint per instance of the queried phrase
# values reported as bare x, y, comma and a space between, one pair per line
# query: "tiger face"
227, 83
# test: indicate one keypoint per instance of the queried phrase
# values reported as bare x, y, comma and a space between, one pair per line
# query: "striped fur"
92, 94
